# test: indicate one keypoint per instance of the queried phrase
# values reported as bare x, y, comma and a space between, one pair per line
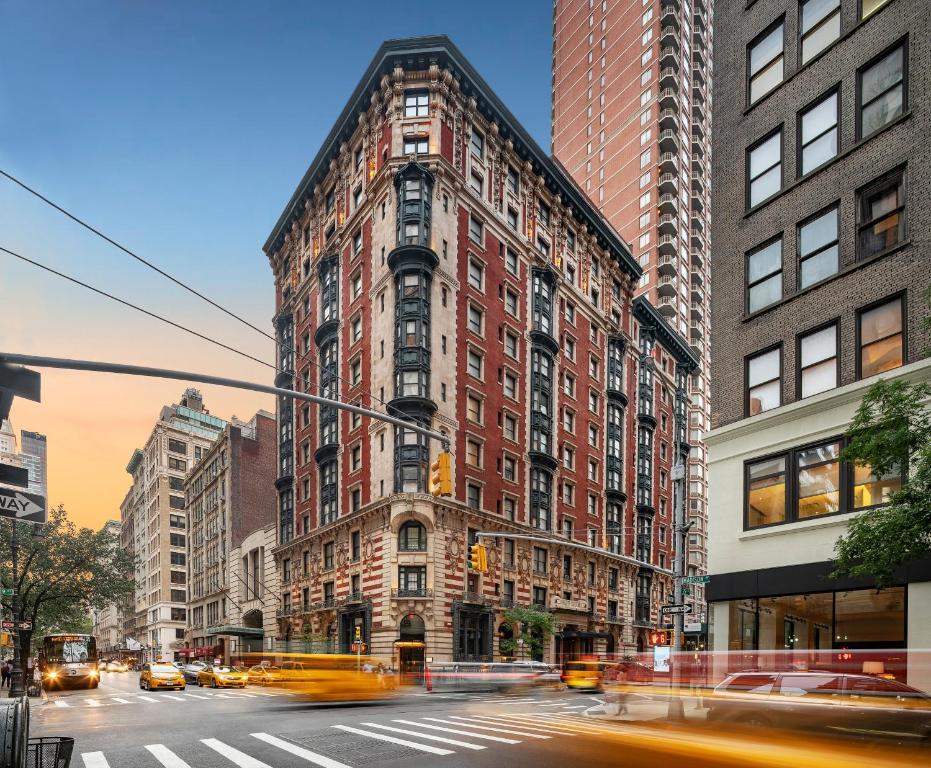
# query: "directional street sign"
7, 591
675, 609
22, 506
24, 625
8, 624
696, 579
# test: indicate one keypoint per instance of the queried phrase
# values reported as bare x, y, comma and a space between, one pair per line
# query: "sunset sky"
180, 130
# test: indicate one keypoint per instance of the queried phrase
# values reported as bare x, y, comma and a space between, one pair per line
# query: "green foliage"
63, 574
529, 625
890, 431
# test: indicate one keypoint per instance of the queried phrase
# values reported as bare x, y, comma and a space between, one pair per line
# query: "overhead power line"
291, 349
136, 307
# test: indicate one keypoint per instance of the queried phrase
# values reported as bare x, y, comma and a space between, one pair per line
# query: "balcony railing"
407, 593
409, 547
353, 597
282, 612
475, 598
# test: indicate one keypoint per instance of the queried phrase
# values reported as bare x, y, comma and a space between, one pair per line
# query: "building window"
356, 546
818, 480
510, 427
764, 381
475, 319
882, 94
510, 385
477, 183
476, 229
416, 104
541, 485
879, 338
818, 133
477, 144
412, 537
764, 275
766, 492
510, 344
510, 469
474, 453
473, 496
818, 248
869, 7
512, 218
817, 361
568, 494
419, 145
511, 302
820, 26
412, 580
539, 561
328, 556
543, 211
474, 409
511, 262
764, 169
765, 62
356, 329
881, 215
568, 381
475, 364
513, 180
568, 421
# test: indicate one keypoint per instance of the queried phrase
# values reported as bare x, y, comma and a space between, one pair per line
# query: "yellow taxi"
222, 676
264, 674
161, 675
337, 677
583, 675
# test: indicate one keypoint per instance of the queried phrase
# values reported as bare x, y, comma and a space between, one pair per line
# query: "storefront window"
870, 618
797, 622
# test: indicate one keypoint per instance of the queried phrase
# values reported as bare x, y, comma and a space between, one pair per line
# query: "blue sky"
181, 130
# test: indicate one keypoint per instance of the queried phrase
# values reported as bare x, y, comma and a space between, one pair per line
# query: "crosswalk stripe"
246, 695
166, 757
94, 760
483, 727
576, 706
60, 703
230, 753
121, 701
93, 703
427, 736
557, 704
564, 721
294, 749
171, 696
148, 698
195, 696
474, 735
528, 722
394, 740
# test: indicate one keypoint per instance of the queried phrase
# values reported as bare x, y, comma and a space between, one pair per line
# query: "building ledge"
802, 525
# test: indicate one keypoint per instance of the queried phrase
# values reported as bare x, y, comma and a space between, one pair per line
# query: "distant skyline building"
631, 123
34, 450
107, 626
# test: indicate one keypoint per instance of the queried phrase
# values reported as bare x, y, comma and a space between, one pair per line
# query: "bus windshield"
70, 649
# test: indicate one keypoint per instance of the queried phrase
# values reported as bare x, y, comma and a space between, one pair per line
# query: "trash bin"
49, 752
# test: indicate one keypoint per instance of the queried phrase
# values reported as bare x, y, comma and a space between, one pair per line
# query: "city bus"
69, 660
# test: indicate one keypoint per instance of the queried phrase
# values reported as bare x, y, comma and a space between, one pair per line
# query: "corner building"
418, 270
822, 244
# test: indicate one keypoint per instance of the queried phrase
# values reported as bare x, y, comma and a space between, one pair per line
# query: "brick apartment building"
631, 123
436, 262
821, 236
229, 497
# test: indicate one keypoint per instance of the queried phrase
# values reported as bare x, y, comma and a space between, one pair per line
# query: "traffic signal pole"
203, 378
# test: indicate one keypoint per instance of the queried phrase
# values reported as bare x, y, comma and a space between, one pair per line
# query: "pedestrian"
6, 672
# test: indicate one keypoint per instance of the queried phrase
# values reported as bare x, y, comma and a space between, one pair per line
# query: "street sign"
675, 609
22, 506
358, 647
14, 475
696, 579
24, 625
8, 591
8, 624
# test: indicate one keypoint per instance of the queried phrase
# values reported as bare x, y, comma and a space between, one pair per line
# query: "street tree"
62, 574
527, 624
891, 434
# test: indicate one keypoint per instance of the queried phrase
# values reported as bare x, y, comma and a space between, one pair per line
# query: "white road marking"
60, 703
529, 722
468, 722
171, 696
557, 704
166, 757
460, 732
121, 701
94, 760
195, 696
247, 695
393, 740
240, 758
563, 721
148, 698
93, 702
294, 749
427, 736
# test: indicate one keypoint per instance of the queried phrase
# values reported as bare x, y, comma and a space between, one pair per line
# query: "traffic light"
441, 475
660, 637
478, 558
358, 633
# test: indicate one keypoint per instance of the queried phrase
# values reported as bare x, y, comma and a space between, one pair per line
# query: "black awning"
588, 635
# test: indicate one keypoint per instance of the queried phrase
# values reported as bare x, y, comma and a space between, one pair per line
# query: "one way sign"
22, 506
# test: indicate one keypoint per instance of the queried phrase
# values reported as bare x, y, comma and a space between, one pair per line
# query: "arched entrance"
252, 619
505, 633
410, 647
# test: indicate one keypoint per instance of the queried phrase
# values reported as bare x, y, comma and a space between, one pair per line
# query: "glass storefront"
863, 618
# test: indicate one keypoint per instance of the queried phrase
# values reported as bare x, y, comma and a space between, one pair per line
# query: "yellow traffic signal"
478, 558
441, 475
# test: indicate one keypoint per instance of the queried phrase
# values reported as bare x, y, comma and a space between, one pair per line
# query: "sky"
181, 129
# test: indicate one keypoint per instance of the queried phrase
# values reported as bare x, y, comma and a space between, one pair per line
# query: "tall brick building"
821, 237
229, 497
420, 268
631, 123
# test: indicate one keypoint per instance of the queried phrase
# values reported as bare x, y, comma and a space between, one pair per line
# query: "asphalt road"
119, 726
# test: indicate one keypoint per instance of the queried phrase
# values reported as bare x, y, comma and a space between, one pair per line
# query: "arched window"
412, 537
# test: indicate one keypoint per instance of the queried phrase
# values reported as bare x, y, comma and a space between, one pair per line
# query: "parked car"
190, 670
852, 705
222, 676
264, 674
161, 675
